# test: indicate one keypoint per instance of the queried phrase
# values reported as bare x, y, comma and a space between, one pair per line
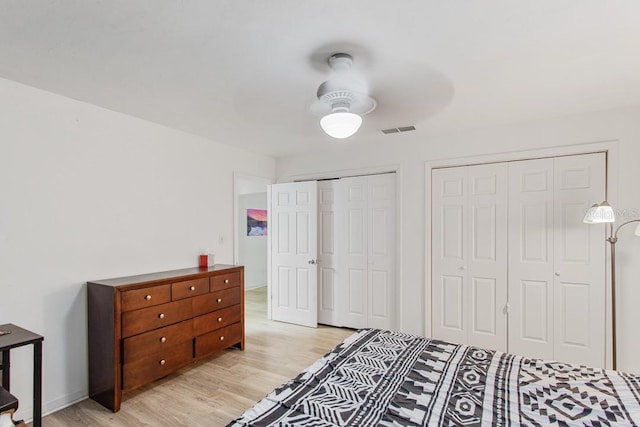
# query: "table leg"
37, 384
6, 365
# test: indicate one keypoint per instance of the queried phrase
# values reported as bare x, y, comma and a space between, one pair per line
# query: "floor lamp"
603, 214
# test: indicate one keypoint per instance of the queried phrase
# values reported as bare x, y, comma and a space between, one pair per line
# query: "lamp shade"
341, 125
600, 213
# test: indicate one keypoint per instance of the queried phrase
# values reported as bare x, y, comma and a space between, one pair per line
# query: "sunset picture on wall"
256, 222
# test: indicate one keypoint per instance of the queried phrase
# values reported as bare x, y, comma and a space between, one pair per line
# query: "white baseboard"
25, 411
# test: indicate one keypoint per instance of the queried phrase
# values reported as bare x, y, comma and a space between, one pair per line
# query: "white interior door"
381, 258
531, 258
294, 253
449, 254
579, 261
327, 258
487, 258
351, 231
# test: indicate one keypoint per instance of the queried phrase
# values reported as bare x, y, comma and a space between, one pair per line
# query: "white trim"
611, 148
269, 248
26, 411
344, 173
237, 176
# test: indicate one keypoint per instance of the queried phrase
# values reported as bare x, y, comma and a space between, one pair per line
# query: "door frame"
346, 173
238, 178
611, 150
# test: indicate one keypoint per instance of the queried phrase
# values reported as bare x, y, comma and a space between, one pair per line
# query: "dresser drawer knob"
163, 339
148, 297
226, 281
192, 288
222, 338
162, 362
161, 316
219, 299
219, 319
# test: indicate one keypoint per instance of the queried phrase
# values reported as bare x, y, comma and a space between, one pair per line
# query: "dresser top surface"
184, 273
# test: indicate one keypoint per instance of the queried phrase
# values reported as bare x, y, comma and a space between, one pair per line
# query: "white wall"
409, 152
85, 194
252, 249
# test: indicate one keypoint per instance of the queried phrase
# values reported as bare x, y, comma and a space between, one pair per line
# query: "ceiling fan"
342, 99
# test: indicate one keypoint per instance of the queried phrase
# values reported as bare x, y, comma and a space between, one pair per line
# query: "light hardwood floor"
217, 390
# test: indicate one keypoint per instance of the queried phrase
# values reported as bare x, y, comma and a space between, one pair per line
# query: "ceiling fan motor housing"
343, 91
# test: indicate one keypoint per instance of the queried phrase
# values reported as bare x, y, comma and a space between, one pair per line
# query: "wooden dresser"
144, 327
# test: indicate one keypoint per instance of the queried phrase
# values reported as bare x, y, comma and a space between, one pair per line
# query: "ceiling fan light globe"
340, 125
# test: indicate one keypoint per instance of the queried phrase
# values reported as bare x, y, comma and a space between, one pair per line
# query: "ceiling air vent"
398, 129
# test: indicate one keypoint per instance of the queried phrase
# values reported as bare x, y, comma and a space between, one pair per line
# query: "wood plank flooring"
217, 390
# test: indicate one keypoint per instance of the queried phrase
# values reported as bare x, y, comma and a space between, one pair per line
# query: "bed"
386, 378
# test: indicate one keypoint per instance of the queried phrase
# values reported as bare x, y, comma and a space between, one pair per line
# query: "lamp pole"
613, 239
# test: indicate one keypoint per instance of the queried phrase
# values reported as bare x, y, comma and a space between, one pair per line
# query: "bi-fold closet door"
357, 251
514, 267
469, 209
557, 263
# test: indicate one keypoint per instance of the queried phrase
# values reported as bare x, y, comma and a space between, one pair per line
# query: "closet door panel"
351, 227
379, 310
449, 259
451, 307
579, 259
483, 307
531, 309
531, 258
381, 256
487, 260
328, 313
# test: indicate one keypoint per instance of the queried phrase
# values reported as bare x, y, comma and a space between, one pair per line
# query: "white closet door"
579, 261
351, 230
449, 251
381, 250
487, 256
327, 297
531, 294
294, 251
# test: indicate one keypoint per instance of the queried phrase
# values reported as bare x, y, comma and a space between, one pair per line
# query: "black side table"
19, 337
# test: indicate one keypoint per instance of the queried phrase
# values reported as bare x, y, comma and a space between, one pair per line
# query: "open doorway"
250, 233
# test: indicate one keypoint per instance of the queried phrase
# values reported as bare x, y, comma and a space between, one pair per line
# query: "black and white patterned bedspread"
392, 379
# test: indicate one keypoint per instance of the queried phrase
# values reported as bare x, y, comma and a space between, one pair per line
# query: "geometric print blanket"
384, 378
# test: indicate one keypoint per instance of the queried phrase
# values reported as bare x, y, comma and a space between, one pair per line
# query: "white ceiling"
244, 72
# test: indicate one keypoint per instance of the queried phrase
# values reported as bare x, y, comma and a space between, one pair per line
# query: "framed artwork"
256, 222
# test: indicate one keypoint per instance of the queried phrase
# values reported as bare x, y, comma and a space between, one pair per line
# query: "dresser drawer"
216, 300
156, 341
157, 366
147, 297
189, 288
217, 340
146, 319
216, 320
224, 281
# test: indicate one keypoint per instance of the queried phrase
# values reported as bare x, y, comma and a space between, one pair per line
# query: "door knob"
313, 261
557, 274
